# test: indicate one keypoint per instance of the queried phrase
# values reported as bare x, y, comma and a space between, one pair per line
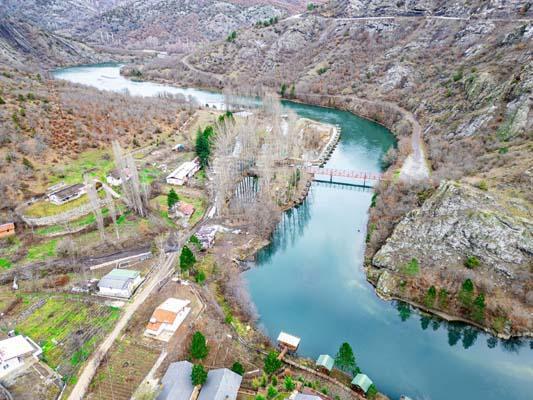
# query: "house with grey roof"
302, 396
176, 383
221, 384
119, 283
325, 362
67, 193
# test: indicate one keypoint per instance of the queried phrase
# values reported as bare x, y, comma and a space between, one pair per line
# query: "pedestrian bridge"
344, 173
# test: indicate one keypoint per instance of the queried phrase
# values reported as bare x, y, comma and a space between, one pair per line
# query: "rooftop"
15, 346
363, 381
326, 361
286, 338
221, 384
176, 382
68, 191
118, 278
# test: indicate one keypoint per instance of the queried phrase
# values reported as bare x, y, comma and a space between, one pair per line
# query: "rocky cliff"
463, 232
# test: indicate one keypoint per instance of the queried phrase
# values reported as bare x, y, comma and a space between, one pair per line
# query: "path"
152, 283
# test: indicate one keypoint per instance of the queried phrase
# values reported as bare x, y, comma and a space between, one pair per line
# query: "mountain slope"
466, 74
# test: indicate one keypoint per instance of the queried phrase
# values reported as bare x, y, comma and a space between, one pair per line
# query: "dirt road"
152, 283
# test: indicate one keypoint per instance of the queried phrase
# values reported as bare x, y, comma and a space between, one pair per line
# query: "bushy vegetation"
412, 268
199, 349
172, 198
198, 375
271, 363
345, 359
187, 259
237, 368
203, 144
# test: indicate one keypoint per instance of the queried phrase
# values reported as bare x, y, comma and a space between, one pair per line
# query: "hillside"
173, 25
465, 73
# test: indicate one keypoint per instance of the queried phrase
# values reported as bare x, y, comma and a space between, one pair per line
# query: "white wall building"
183, 173
15, 352
167, 318
119, 283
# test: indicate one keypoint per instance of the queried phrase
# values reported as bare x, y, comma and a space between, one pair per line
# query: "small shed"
184, 172
325, 362
362, 382
289, 341
119, 283
7, 229
179, 147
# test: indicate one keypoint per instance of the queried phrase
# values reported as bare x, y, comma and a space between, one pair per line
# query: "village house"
179, 147
7, 229
167, 318
119, 283
183, 173
287, 341
362, 382
181, 210
221, 384
67, 194
206, 236
325, 363
15, 352
114, 178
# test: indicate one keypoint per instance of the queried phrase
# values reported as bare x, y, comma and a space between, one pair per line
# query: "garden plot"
68, 329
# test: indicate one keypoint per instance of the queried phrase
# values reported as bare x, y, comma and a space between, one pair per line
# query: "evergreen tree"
466, 294
172, 198
478, 313
198, 375
187, 259
237, 368
345, 359
272, 364
199, 349
431, 295
203, 144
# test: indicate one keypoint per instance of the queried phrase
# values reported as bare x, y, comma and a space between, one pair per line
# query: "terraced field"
119, 375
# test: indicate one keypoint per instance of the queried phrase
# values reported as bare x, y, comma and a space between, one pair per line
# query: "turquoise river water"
310, 282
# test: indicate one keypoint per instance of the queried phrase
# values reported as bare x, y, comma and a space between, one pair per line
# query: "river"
310, 281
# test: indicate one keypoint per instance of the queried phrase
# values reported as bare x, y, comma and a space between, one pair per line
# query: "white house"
167, 318
15, 352
119, 283
184, 172
114, 178
67, 194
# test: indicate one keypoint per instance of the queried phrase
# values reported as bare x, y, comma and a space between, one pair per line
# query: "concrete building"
15, 352
167, 318
119, 283
183, 173
67, 194
221, 384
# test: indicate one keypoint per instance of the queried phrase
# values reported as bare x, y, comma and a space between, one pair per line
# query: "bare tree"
95, 205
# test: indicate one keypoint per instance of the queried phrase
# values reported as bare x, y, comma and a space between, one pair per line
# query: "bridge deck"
344, 173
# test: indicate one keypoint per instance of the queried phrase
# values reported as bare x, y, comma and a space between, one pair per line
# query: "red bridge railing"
344, 173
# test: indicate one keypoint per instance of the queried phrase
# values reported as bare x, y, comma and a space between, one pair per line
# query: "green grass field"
5, 263
96, 162
67, 329
42, 251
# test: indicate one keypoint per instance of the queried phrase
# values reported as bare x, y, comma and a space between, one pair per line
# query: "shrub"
237, 368
478, 313
199, 349
310, 7
2, 101
289, 384
443, 298
195, 241
372, 392
198, 375
472, 262
232, 36
200, 277
271, 392
322, 70
412, 268
466, 293
458, 75
27, 163
482, 185
271, 363
431, 295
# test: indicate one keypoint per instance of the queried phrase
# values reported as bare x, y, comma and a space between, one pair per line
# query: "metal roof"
301, 396
118, 279
363, 381
325, 361
221, 384
288, 339
177, 384
15, 346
